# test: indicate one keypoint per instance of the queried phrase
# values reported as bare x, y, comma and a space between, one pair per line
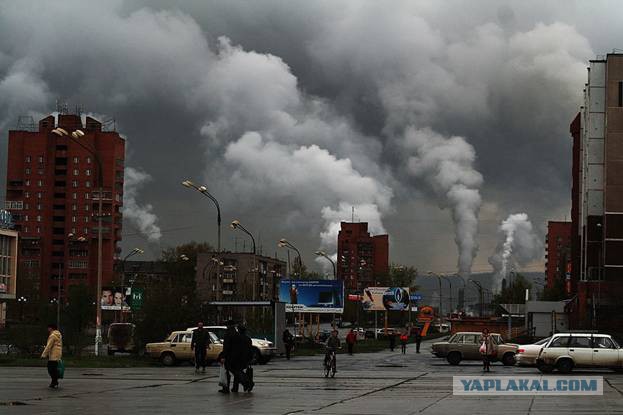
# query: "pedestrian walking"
288, 342
227, 354
392, 341
487, 349
246, 357
53, 352
418, 339
200, 343
404, 339
351, 339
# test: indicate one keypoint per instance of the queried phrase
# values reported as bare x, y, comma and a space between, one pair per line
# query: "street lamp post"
324, 255
284, 243
432, 274
449, 282
75, 136
477, 284
236, 225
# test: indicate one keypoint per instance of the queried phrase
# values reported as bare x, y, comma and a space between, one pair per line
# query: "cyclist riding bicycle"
333, 344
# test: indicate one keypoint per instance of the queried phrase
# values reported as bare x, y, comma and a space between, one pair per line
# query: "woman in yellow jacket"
53, 352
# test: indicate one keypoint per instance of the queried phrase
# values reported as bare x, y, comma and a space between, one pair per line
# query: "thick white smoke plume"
446, 163
140, 215
521, 245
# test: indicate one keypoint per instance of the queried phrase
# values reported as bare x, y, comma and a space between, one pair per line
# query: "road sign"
137, 298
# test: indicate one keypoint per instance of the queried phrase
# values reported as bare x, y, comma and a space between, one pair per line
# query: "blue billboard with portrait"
312, 296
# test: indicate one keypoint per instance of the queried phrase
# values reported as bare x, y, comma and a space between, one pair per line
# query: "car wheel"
564, 365
454, 358
257, 357
508, 359
168, 359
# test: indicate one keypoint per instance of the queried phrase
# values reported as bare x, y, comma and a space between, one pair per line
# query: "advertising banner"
385, 298
314, 296
114, 299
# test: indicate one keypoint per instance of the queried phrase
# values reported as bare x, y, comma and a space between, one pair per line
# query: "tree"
514, 293
399, 276
556, 292
76, 317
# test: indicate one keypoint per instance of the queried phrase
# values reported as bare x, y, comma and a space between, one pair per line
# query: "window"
580, 342
86, 219
73, 230
88, 160
27, 170
603, 342
38, 218
38, 195
25, 218
25, 229
40, 172
27, 182
86, 231
560, 342
74, 183
74, 207
86, 208
76, 162
87, 183
88, 172
73, 219
76, 172
38, 206
38, 229
40, 159
26, 195
74, 196
27, 159
470, 339
40, 183
79, 264
26, 206
86, 195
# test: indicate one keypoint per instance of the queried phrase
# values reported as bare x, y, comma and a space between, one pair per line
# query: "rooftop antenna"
352, 215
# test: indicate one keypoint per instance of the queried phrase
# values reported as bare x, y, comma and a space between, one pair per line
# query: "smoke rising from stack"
141, 215
447, 165
521, 245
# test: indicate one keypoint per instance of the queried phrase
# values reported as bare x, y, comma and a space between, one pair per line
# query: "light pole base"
98, 340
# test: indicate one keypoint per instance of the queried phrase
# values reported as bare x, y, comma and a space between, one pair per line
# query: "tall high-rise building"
360, 256
597, 197
52, 192
558, 256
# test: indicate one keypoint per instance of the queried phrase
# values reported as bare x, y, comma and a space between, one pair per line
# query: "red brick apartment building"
360, 256
52, 192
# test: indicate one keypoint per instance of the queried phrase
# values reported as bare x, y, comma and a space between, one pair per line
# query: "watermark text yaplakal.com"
527, 385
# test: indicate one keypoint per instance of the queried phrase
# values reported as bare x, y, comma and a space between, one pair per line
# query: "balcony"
228, 292
228, 280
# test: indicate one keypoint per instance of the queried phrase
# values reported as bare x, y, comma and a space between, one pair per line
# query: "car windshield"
542, 341
451, 339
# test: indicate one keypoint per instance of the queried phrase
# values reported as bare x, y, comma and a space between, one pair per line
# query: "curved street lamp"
236, 225
324, 255
204, 191
284, 243
75, 137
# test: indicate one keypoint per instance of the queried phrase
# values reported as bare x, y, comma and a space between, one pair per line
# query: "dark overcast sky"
436, 120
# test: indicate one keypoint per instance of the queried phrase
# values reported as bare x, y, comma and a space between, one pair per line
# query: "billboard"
313, 296
115, 298
385, 298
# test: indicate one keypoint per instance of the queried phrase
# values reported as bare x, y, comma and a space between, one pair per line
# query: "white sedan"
527, 353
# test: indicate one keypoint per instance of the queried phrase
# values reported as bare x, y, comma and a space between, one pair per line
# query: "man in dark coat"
228, 353
288, 342
242, 361
199, 343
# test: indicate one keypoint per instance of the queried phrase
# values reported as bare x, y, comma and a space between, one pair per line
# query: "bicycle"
330, 364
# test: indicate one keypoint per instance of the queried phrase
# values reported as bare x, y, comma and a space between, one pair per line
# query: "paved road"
379, 383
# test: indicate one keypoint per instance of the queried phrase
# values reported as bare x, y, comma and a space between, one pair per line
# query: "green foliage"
77, 315
514, 293
28, 338
556, 292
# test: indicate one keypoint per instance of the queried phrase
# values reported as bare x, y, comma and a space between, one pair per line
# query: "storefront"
8, 263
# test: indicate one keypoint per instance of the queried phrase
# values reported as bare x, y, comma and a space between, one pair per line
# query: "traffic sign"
137, 298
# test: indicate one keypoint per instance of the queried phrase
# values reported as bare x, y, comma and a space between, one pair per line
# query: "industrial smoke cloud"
521, 245
140, 215
332, 105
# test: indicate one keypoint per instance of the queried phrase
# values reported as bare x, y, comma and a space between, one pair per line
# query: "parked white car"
566, 351
527, 353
